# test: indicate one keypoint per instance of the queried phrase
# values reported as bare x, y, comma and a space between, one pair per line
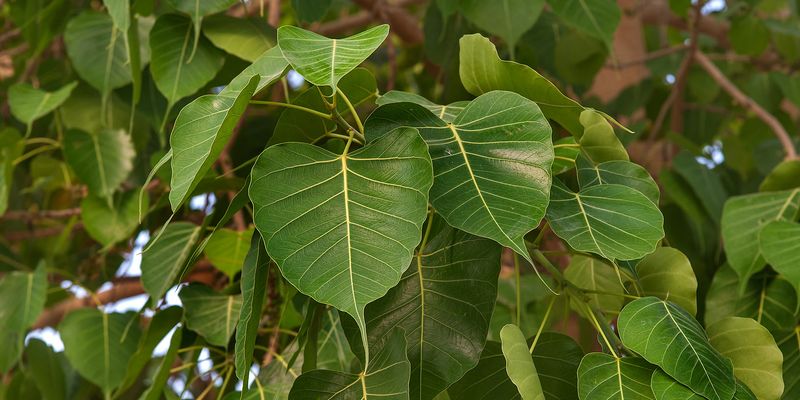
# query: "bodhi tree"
400, 200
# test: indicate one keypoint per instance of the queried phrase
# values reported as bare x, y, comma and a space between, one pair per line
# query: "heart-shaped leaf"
316, 212
743, 217
614, 221
599, 276
617, 172
167, 257
246, 38
254, 286
47, 369
779, 245
757, 361
102, 160
447, 292
491, 164
97, 51
226, 249
603, 376
213, 315
29, 104
519, 365
386, 377
23, 301
598, 18
197, 9
323, 61
668, 275
508, 19
446, 113
598, 141
482, 71
110, 221
666, 335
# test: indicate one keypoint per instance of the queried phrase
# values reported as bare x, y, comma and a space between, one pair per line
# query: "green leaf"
22, 301
757, 361
491, 164
599, 142
666, 335
482, 71
29, 104
323, 61
111, 223
566, 152
11, 147
508, 19
197, 9
614, 221
102, 160
743, 218
603, 376
668, 275
594, 274
748, 35
204, 126
97, 51
618, 172
253, 284
246, 38
316, 209
705, 183
778, 241
598, 18
311, 10
790, 347
46, 369
446, 294
120, 13
386, 377
99, 345
162, 322
226, 249
159, 382
213, 315
785, 176
446, 113
519, 365
167, 257
177, 71
666, 388
556, 357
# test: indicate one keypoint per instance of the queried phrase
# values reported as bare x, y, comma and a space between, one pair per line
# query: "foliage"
401, 200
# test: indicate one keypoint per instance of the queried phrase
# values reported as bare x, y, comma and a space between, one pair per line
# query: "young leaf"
778, 241
491, 164
603, 376
452, 278
175, 74
211, 314
226, 249
323, 61
742, 220
598, 18
667, 274
597, 275
508, 19
97, 51
386, 377
102, 160
666, 335
757, 361
617, 172
246, 38
167, 257
253, 283
519, 366
111, 223
482, 71
598, 141
99, 345
785, 176
614, 221
316, 209
29, 104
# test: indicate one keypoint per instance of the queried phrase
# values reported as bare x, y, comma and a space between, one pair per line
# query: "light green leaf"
666, 335
603, 376
614, 221
197, 9
757, 361
167, 257
446, 294
253, 284
213, 315
227, 248
323, 61
102, 160
785, 176
46, 369
743, 218
246, 38
519, 365
668, 275
508, 19
491, 164
482, 71
97, 51
666, 388
120, 13
29, 104
204, 126
315, 210
175, 74
99, 345
556, 357
618, 172
594, 274
780, 244
386, 377
111, 223
23, 300
598, 18
446, 113
599, 142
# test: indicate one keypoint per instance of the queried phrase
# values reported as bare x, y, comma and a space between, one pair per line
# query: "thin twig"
23, 215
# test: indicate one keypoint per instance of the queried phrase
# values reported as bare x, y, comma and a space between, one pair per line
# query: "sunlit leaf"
226, 249
566, 154
668, 275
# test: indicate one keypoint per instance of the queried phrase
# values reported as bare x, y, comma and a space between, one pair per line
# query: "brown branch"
748, 103
274, 17
648, 57
403, 24
39, 233
676, 121
22, 215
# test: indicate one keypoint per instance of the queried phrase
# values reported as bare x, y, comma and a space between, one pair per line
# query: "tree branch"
22, 215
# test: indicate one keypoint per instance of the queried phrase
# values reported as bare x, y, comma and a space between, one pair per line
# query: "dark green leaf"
598, 18
603, 376
785, 176
22, 301
111, 223
167, 257
97, 51
508, 19
253, 284
245, 38
310, 10
46, 369
213, 315
102, 159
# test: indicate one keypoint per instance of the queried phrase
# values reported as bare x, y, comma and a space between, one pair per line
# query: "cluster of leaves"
385, 244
